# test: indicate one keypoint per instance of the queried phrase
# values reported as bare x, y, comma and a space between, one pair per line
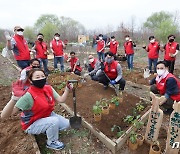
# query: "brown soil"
12, 138
92, 91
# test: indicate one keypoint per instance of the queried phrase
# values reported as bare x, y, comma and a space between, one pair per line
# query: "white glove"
7, 36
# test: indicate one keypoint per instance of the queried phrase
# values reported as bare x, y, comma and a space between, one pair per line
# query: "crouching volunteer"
111, 72
166, 84
75, 64
37, 107
94, 66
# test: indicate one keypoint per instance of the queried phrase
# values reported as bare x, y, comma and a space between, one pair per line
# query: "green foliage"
162, 25
114, 99
118, 130
104, 102
62, 85
97, 109
137, 123
139, 107
129, 119
133, 137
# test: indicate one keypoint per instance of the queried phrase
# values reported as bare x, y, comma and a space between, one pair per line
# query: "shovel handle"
74, 102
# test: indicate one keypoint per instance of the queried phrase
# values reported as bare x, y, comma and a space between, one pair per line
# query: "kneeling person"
166, 84
111, 72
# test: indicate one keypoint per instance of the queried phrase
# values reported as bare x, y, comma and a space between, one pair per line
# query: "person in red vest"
153, 53
171, 49
100, 48
129, 51
19, 46
111, 72
166, 84
41, 52
75, 64
37, 109
113, 45
94, 66
57, 46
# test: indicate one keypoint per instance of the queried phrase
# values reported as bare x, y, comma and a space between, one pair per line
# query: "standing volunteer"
153, 53
129, 51
111, 72
75, 64
37, 107
57, 46
171, 49
19, 46
113, 45
100, 48
94, 66
166, 84
41, 52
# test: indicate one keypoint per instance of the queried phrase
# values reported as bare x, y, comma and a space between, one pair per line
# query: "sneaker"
56, 145
105, 87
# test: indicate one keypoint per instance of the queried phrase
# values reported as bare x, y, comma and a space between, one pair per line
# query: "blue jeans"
23, 63
50, 125
154, 62
130, 61
101, 56
45, 64
61, 61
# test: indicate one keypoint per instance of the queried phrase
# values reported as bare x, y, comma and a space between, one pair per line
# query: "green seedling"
97, 109
129, 119
133, 137
139, 107
118, 129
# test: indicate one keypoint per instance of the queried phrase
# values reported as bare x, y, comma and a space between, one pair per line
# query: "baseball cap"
18, 28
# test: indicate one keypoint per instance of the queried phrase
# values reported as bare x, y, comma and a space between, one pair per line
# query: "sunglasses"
20, 30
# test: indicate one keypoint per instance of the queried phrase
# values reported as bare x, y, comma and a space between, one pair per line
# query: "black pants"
77, 72
93, 76
170, 65
168, 104
105, 81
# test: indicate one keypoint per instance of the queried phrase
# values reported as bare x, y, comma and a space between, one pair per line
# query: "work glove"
69, 86
15, 98
7, 36
113, 82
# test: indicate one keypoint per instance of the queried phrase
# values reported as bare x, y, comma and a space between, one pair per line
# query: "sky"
93, 14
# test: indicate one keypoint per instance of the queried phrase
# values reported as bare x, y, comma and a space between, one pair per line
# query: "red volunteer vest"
93, 63
42, 107
161, 86
128, 46
41, 49
112, 70
73, 62
153, 50
170, 48
113, 47
22, 52
100, 45
58, 49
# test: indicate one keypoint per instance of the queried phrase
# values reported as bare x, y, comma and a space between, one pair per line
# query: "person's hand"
72, 72
7, 36
112, 82
70, 86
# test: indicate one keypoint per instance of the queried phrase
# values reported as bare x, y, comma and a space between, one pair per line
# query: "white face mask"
127, 38
113, 40
91, 60
160, 72
100, 38
19, 33
57, 38
152, 41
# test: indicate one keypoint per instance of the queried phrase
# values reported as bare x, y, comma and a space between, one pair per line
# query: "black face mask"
35, 66
39, 83
171, 40
40, 39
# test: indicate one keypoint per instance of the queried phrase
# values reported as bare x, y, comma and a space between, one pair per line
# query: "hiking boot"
168, 111
56, 145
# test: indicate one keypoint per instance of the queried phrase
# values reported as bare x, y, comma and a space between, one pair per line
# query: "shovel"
116, 89
75, 121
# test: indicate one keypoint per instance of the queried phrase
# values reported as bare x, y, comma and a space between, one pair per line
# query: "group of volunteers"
35, 99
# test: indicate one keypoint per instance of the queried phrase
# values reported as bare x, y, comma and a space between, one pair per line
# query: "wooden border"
113, 146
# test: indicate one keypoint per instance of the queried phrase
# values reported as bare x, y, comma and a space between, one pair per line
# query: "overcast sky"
91, 13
